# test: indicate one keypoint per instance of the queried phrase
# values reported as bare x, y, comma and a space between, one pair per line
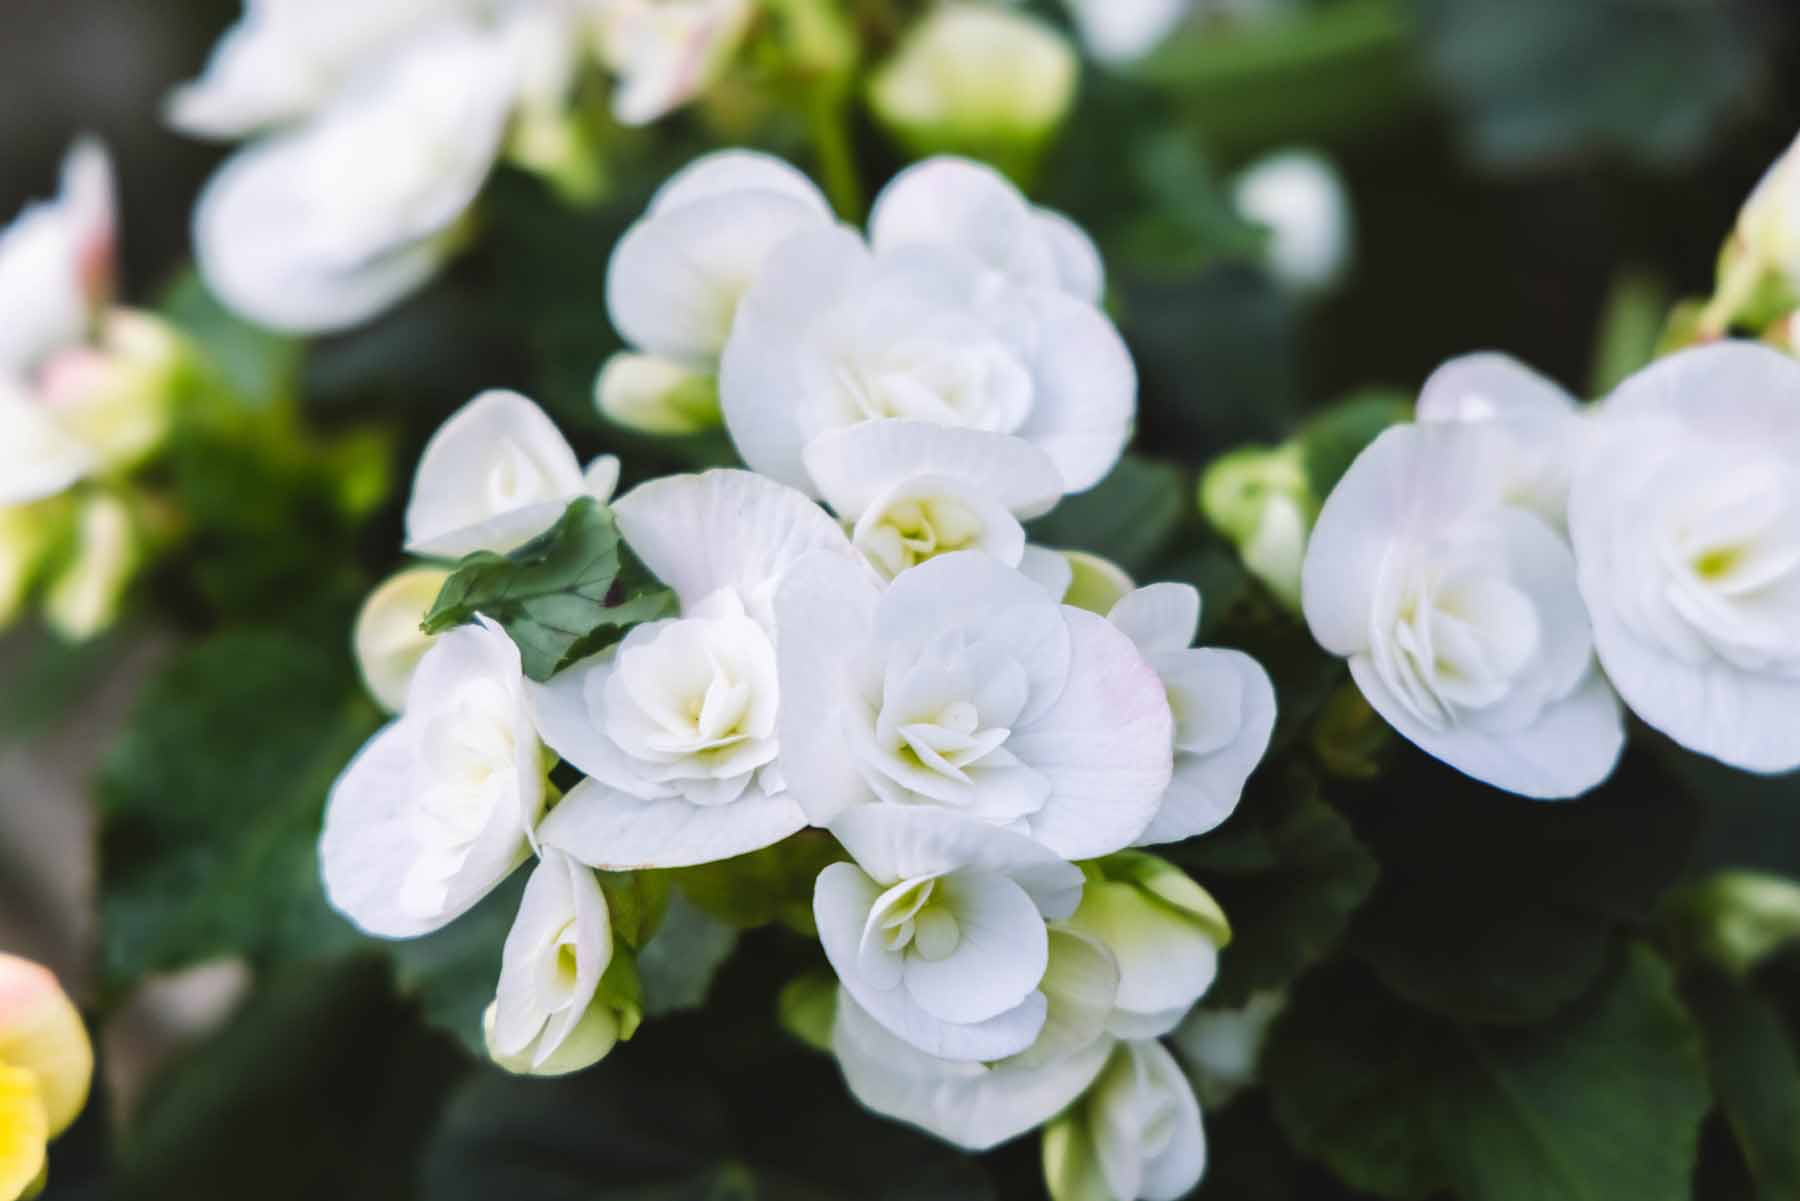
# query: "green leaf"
453, 972
1631, 325
572, 591
211, 803
1331, 440
1602, 1104
257, 366
1755, 1069
677, 966
774, 884
1289, 874
1130, 517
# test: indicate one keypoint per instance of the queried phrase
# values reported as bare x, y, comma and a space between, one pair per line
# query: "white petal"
761, 378
367, 843
1085, 404
1081, 984
1174, 1173
1160, 617
1166, 960
1205, 788
600, 479
1000, 956
617, 832
725, 529
1048, 569
1079, 267
1117, 31
824, 620
730, 172
969, 206
1480, 386
855, 465
494, 476
1105, 744
38, 458
841, 900
973, 1105
388, 640
892, 843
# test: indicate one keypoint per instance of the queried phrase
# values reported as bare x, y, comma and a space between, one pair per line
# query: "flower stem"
828, 121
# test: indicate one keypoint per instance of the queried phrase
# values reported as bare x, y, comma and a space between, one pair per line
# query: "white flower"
1136, 1135
56, 267
980, 1105
1118, 31
1537, 426
545, 1019
676, 278
323, 226
1460, 613
964, 686
911, 490
832, 334
1163, 930
1300, 198
388, 640
496, 475
677, 727
1686, 520
666, 52
1223, 1047
937, 929
1224, 706
438, 807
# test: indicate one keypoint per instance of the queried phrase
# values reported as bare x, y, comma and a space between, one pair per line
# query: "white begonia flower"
937, 929
1136, 1136
1224, 706
1223, 1047
84, 596
656, 396
832, 335
1165, 933
322, 227
677, 727
546, 1019
666, 52
496, 475
1118, 31
388, 640
964, 687
1685, 515
439, 806
1460, 614
1539, 426
1300, 198
978, 1105
677, 277
56, 267
911, 490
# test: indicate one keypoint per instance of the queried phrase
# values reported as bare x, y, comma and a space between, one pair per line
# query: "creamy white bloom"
545, 1019
1136, 1136
496, 475
676, 278
1460, 614
325, 225
56, 266
911, 490
1222, 1047
439, 806
1300, 198
963, 686
937, 930
666, 52
1685, 516
1224, 706
979, 1105
388, 641
1538, 427
677, 727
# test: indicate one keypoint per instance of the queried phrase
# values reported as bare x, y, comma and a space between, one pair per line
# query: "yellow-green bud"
657, 396
1095, 584
85, 593
1164, 930
27, 535
388, 640
1259, 498
1759, 266
1738, 918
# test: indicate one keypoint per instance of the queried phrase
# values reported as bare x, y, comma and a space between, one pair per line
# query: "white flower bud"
657, 396
84, 595
1300, 198
1223, 1046
1135, 1136
388, 640
667, 52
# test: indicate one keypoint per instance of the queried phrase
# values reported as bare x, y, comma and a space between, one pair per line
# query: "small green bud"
1737, 918
807, 1008
1095, 584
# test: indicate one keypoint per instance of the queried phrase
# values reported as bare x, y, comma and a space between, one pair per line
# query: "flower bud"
84, 595
389, 641
46, 1066
667, 52
1223, 1046
1095, 584
1165, 931
983, 82
117, 398
1738, 918
657, 396
1136, 1134
27, 535
1759, 267
1259, 498
1300, 198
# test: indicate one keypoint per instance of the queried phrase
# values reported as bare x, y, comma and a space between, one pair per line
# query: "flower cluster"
376, 125
900, 671
1506, 569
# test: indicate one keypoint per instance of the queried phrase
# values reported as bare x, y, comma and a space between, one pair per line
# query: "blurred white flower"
495, 475
1224, 706
1222, 1047
439, 806
1300, 198
57, 266
937, 930
1118, 31
327, 224
388, 640
964, 686
1685, 516
546, 1018
1460, 614
677, 727
666, 52
1135, 1136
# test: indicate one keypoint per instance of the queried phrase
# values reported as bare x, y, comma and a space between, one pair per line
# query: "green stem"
828, 120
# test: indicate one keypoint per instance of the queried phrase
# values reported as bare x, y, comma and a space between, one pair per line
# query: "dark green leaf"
211, 801
677, 966
774, 884
1332, 440
567, 594
1604, 1103
454, 971
1129, 517
257, 366
1755, 1070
